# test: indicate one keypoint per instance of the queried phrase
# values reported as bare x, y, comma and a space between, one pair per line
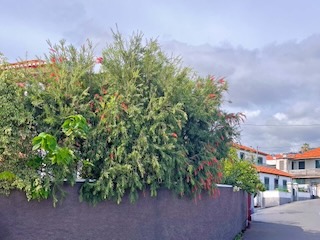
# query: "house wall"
272, 162
309, 164
274, 198
163, 217
252, 156
271, 180
286, 164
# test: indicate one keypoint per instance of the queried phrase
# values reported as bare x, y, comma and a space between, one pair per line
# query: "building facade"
248, 153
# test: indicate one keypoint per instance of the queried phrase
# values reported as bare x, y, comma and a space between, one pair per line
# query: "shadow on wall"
274, 231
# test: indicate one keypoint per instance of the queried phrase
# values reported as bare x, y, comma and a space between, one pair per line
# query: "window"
301, 165
301, 181
260, 160
276, 183
284, 184
266, 183
241, 155
317, 163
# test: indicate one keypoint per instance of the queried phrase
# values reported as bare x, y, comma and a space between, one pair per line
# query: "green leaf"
7, 176
62, 156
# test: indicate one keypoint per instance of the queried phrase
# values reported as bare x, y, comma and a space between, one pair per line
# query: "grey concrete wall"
164, 217
285, 200
271, 202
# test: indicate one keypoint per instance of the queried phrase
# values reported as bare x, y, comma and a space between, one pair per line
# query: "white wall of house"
272, 178
272, 162
283, 164
272, 196
255, 157
309, 164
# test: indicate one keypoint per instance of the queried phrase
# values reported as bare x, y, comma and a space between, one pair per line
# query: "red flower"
124, 106
104, 91
53, 60
52, 75
221, 81
174, 135
20, 84
211, 96
99, 60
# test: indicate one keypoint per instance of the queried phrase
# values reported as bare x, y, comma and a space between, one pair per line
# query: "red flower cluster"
174, 135
99, 60
221, 81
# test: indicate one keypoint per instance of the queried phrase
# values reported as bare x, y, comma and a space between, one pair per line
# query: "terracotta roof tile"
274, 171
311, 154
248, 149
280, 156
24, 64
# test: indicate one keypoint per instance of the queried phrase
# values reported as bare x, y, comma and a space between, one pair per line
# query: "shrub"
241, 173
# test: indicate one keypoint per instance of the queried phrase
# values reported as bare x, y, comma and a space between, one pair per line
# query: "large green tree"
159, 125
153, 123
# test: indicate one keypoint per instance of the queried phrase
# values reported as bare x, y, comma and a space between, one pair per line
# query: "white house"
305, 169
251, 154
278, 187
275, 180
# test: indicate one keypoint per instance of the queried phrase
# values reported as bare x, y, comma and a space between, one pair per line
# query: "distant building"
276, 182
251, 154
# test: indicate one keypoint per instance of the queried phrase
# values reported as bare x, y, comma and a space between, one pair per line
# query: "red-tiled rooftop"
24, 64
248, 149
311, 154
274, 171
280, 156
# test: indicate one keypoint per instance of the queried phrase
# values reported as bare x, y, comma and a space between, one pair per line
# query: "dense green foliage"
241, 173
152, 122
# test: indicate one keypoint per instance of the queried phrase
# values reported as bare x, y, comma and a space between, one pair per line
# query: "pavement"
293, 221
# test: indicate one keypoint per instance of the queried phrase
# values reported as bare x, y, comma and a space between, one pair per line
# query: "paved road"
293, 221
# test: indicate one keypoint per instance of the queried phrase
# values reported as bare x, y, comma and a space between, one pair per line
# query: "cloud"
273, 83
251, 114
280, 116
280, 79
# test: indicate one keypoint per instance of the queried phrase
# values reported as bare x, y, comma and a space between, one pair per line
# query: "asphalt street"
292, 221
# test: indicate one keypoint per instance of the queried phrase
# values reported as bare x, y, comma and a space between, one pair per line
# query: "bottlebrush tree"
158, 125
153, 123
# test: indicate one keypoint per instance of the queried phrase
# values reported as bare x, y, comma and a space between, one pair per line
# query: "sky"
268, 51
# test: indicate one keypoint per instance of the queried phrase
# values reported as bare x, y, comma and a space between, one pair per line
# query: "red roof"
274, 171
280, 156
248, 149
311, 154
24, 64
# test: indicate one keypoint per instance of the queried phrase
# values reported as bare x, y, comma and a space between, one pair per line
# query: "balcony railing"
305, 172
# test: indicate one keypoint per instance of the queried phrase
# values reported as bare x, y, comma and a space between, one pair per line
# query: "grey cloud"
277, 78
